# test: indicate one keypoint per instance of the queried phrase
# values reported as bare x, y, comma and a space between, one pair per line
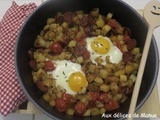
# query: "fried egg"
69, 76
103, 47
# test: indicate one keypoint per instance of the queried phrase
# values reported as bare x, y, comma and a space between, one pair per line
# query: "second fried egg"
69, 76
103, 47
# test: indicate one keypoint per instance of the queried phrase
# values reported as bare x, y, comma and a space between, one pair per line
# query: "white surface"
5, 4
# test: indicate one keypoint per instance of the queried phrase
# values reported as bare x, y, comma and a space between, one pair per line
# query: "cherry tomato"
80, 108
49, 66
56, 48
61, 105
111, 105
66, 97
103, 97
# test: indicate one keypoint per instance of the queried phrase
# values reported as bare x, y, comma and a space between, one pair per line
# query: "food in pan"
85, 64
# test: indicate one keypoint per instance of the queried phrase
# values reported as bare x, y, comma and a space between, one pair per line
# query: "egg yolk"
77, 82
100, 45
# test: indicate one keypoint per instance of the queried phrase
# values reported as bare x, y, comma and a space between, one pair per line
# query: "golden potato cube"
46, 97
41, 73
94, 111
100, 22
87, 113
98, 80
118, 73
72, 43
123, 78
103, 73
104, 88
106, 29
129, 68
70, 111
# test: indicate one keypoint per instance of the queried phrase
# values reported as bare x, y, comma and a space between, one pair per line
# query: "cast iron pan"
122, 12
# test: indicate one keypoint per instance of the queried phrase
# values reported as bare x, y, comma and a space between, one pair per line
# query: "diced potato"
70, 111
114, 87
109, 16
102, 110
130, 83
123, 84
50, 20
94, 111
40, 65
92, 68
65, 25
72, 43
99, 104
53, 26
106, 29
100, 22
52, 103
39, 57
41, 73
129, 68
103, 73
46, 97
95, 12
118, 73
120, 37
87, 113
123, 78
46, 27
47, 82
90, 77
132, 77
104, 88
135, 51
80, 59
98, 80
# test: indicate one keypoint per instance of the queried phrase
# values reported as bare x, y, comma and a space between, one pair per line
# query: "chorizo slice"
127, 57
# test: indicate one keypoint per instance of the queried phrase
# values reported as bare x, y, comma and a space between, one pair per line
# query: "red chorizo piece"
127, 57
59, 19
80, 108
84, 21
126, 38
113, 24
131, 44
30, 53
88, 30
68, 17
91, 20
41, 86
33, 65
80, 49
91, 104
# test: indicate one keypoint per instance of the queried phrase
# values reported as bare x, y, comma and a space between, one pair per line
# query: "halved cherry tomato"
56, 48
111, 105
61, 105
49, 66
80, 108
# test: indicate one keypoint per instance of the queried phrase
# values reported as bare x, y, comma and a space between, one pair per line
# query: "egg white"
115, 55
64, 69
